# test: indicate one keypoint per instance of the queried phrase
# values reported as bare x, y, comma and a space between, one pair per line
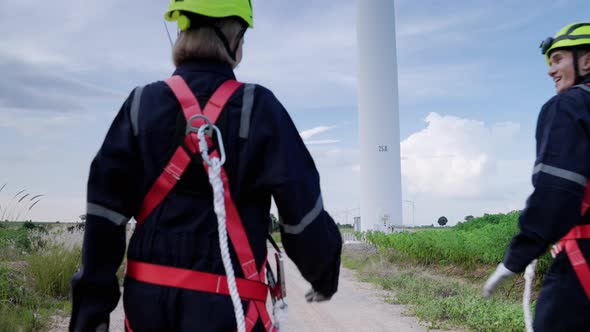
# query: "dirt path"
358, 306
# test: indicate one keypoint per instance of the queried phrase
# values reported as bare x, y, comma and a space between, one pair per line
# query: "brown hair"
204, 43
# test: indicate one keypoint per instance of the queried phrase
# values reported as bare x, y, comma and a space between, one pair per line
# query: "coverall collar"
220, 68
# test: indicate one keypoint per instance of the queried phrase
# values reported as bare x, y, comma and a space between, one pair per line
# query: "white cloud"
455, 157
309, 133
322, 142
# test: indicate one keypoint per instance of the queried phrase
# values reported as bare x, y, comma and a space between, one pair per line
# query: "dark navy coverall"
561, 171
265, 157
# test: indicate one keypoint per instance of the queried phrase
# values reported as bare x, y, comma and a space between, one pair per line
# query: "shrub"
482, 240
52, 269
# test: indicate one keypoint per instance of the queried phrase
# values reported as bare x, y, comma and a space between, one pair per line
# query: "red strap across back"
249, 288
180, 160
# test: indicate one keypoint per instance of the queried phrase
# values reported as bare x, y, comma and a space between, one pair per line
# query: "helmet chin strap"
578, 78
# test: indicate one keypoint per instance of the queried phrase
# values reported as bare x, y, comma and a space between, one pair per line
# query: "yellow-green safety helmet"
208, 8
571, 35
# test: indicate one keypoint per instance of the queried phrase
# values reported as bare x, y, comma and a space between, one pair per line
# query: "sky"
471, 84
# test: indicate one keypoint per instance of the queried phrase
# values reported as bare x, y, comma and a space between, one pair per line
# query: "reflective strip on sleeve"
247, 102
561, 173
307, 219
134, 112
100, 211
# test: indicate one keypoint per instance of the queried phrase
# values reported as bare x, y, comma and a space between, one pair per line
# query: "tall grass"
35, 282
52, 269
19, 308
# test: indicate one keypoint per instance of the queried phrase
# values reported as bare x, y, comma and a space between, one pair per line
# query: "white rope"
219, 206
529, 275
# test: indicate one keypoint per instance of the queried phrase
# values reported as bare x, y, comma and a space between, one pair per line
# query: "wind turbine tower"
378, 108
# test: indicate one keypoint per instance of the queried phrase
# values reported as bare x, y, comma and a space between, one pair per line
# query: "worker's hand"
501, 274
102, 327
313, 296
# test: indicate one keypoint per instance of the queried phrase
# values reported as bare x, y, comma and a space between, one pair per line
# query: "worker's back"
265, 157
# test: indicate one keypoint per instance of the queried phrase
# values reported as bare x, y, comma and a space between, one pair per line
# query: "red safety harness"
253, 288
570, 243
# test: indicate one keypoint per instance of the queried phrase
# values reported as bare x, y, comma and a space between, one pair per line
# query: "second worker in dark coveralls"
266, 158
560, 179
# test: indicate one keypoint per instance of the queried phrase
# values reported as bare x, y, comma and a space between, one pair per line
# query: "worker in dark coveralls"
266, 158
556, 210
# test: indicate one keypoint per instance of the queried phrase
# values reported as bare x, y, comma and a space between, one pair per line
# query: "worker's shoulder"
573, 99
264, 95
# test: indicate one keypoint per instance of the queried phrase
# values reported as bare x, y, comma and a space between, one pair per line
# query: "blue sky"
471, 78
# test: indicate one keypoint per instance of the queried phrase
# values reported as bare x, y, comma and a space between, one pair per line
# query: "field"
480, 241
439, 272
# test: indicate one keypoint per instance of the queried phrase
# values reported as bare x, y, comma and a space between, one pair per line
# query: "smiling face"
562, 69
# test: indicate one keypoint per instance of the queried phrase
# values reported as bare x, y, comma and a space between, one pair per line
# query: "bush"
480, 241
16, 319
11, 292
52, 269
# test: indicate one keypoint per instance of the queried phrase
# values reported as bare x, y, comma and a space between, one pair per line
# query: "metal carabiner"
201, 134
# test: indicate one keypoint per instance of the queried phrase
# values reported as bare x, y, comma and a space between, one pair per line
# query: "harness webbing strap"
164, 184
570, 244
235, 229
194, 280
175, 277
180, 159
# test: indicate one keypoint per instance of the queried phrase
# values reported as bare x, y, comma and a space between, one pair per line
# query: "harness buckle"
192, 129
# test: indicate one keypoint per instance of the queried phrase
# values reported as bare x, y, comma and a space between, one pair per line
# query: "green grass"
51, 270
276, 236
480, 241
34, 278
21, 307
439, 302
439, 272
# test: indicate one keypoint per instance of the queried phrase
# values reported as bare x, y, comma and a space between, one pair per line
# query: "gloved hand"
502, 273
313, 296
102, 327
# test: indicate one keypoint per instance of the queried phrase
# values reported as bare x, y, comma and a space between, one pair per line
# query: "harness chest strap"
164, 184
